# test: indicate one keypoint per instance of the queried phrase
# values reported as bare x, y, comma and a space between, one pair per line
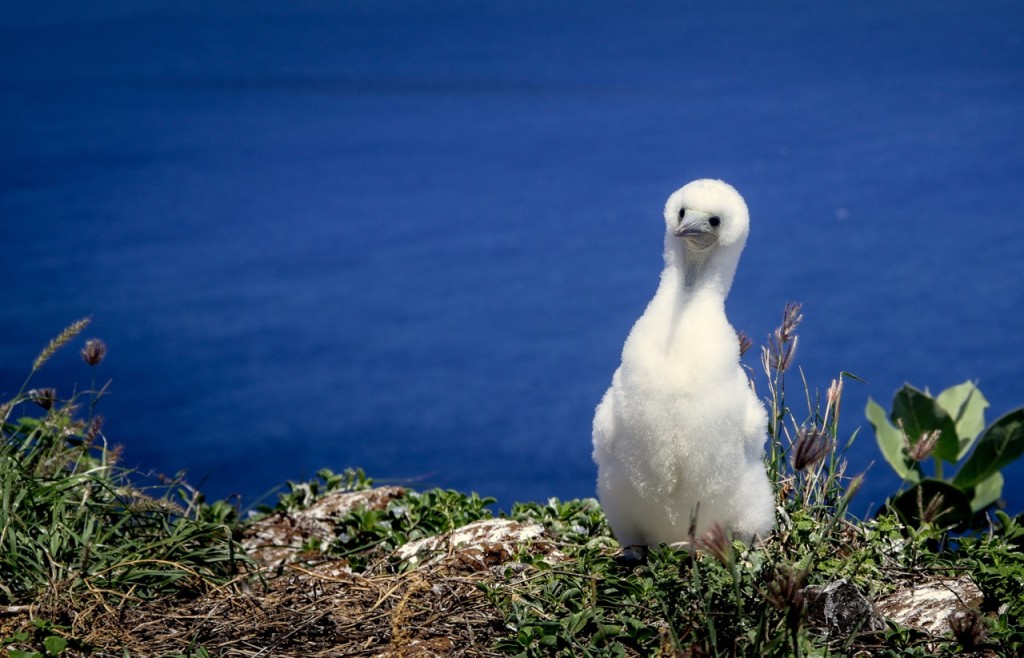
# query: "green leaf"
946, 505
920, 413
549, 641
1010, 527
577, 620
1000, 444
890, 441
55, 645
966, 406
987, 492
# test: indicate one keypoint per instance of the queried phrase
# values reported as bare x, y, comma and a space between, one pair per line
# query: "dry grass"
306, 610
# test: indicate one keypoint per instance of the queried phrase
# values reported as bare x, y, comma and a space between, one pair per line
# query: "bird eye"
714, 220
682, 212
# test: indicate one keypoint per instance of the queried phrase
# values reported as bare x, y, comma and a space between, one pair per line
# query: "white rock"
501, 537
929, 606
279, 537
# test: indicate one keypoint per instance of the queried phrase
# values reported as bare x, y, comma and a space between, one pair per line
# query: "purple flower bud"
44, 397
94, 351
812, 445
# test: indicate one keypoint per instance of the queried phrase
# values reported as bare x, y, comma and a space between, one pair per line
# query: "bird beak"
696, 228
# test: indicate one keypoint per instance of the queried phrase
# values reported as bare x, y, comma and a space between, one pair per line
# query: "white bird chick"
679, 436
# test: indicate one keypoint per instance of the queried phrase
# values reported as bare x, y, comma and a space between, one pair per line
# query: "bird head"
706, 214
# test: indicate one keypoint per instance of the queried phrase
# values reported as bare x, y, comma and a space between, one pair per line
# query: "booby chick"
679, 436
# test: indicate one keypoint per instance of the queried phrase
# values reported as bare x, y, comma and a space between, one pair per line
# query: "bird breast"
683, 403
691, 351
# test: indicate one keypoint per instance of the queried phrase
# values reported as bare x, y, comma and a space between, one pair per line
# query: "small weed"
50, 641
301, 495
577, 521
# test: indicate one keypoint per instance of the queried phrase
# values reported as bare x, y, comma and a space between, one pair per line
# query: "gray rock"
841, 608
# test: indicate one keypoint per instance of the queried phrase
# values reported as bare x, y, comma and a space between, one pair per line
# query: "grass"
76, 532
93, 564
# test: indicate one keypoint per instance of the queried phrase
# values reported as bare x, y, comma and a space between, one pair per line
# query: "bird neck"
691, 272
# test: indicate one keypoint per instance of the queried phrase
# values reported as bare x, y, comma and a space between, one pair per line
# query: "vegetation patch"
96, 564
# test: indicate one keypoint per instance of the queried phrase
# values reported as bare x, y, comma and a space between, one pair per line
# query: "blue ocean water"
412, 237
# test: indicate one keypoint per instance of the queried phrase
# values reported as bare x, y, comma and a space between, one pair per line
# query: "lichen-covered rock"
930, 605
280, 537
478, 545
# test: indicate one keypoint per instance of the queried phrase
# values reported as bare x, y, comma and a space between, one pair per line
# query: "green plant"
301, 495
73, 523
573, 520
804, 457
50, 641
364, 533
950, 429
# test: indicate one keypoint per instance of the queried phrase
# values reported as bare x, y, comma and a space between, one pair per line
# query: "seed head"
835, 393
44, 397
717, 543
782, 342
968, 629
811, 446
94, 429
854, 485
924, 445
114, 454
780, 355
791, 318
60, 341
94, 351
745, 342
786, 589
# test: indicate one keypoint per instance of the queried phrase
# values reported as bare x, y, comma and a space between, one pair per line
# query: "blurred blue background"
412, 237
